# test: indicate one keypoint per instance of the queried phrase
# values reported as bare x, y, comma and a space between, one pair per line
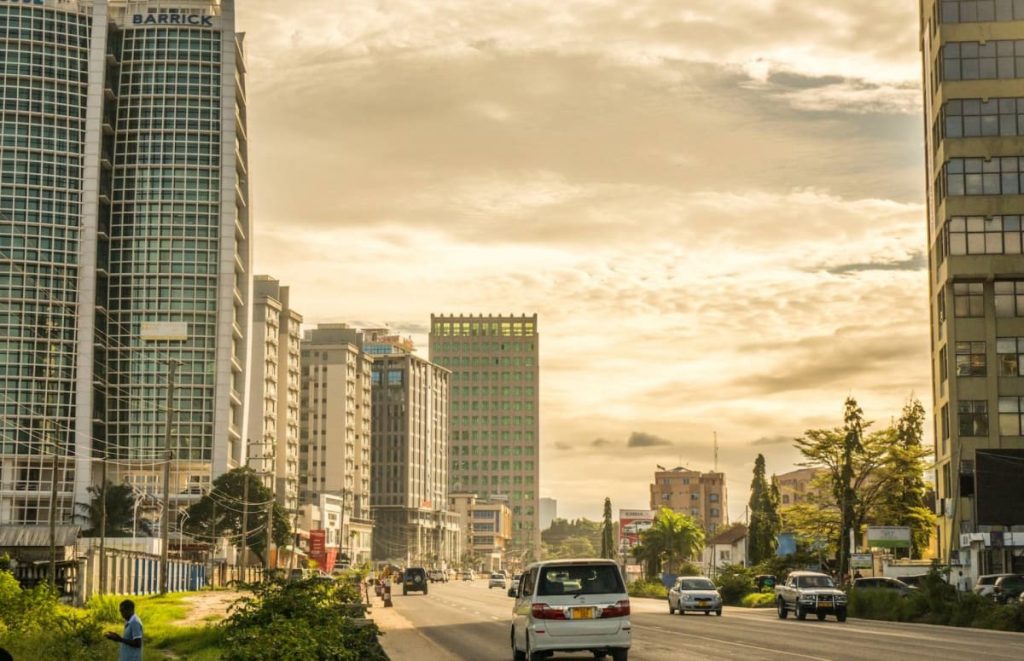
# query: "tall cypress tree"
764, 515
607, 532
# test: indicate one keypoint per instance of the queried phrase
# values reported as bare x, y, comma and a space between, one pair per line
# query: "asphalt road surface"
466, 620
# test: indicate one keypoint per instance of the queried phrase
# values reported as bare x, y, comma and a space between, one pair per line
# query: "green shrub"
734, 582
758, 600
648, 588
879, 605
312, 619
106, 608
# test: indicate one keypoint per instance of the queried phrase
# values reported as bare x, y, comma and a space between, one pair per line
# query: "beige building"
973, 65
334, 428
699, 495
796, 486
409, 483
274, 384
486, 532
495, 413
344, 544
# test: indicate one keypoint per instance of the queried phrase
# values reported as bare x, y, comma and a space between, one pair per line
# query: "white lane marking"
729, 642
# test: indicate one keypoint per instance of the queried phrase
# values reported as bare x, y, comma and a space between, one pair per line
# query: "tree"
902, 504
122, 515
765, 524
563, 529
607, 531
219, 512
672, 539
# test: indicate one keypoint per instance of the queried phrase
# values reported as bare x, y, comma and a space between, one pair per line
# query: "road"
467, 621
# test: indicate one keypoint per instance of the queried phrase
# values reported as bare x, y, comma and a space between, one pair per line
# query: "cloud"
917, 262
601, 443
639, 439
767, 441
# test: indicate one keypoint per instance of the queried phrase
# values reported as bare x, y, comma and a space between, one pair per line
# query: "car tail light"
545, 612
620, 609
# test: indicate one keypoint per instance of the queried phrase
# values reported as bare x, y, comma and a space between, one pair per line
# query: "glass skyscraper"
124, 245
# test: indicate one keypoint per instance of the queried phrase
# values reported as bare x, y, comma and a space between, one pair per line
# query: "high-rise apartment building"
334, 428
409, 487
798, 486
124, 245
699, 495
495, 413
274, 390
973, 65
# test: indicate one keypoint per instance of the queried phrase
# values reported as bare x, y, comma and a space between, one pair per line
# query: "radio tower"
716, 450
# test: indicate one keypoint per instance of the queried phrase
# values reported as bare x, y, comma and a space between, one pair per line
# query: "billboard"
164, 330
631, 524
862, 561
317, 542
998, 487
889, 537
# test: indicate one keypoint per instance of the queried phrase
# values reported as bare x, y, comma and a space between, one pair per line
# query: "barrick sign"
173, 19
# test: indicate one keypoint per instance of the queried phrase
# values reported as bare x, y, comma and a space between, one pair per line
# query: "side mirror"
513, 591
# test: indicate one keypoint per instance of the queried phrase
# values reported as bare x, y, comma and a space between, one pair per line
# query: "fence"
133, 573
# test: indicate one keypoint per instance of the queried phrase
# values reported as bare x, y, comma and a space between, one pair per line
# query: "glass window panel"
958, 244
975, 244
1011, 243
993, 244
954, 127
972, 126
973, 184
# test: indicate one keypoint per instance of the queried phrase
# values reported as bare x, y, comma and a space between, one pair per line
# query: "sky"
716, 207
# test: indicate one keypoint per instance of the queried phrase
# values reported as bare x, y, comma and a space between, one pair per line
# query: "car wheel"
821, 617
517, 655
783, 613
707, 612
718, 612
671, 608
841, 615
404, 592
424, 589
620, 654
600, 655
530, 654
801, 614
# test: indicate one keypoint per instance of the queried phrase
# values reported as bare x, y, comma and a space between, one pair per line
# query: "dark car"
414, 579
1008, 588
884, 583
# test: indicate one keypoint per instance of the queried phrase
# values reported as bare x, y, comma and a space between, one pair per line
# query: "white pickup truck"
810, 592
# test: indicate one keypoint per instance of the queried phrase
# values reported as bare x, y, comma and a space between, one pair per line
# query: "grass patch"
653, 589
159, 616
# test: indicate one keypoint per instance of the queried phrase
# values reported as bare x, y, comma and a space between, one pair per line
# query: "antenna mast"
716, 450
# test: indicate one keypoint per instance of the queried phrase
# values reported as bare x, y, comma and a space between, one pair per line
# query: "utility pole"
172, 366
270, 537
103, 523
245, 520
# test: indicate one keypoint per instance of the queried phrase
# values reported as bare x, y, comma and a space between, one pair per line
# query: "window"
943, 370
968, 299
1010, 355
972, 60
977, 11
970, 359
978, 235
1010, 410
713, 497
1009, 298
973, 417
976, 118
979, 176
395, 377
945, 421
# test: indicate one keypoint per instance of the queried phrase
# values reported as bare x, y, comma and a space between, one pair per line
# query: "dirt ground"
208, 607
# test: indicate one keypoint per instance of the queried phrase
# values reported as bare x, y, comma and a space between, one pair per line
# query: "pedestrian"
857, 575
131, 639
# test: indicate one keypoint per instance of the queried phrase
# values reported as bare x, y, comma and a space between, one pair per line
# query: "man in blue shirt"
131, 639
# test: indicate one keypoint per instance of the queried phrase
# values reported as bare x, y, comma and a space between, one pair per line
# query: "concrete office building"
699, 495
409, 487
548, 512
973, 65
124, 243
495, 413
486, 532
798, 486
274, 390
334, 427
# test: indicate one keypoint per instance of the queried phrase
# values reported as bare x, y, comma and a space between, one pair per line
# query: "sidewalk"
400, 638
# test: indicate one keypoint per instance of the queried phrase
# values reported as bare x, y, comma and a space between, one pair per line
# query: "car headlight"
807, 597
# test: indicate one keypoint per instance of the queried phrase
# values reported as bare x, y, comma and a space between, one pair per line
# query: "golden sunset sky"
715, 206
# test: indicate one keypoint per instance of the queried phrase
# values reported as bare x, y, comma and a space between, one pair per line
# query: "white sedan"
694, 593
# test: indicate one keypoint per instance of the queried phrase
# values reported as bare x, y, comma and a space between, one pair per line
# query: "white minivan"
571, 606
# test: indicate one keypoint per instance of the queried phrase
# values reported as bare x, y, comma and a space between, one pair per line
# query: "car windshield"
497, 576
814, 582
697, 584
579, 579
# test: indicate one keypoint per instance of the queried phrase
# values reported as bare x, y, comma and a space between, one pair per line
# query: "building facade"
495, 413
974, 153
796, 487
486, 533
548, 512
702, 496
274, 390
334, 422
124, 246
409, 485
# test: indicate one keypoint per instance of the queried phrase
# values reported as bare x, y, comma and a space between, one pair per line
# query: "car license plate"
824, 604
703, 603
582, 613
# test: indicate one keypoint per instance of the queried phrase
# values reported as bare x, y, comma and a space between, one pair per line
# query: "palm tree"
672, 539
121, 513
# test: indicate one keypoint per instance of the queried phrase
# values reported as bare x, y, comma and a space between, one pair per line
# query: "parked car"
986, 583
1008, 588
467, 575
807, 592
571, 606
883, 583
496, 580
914, 580
414, 579
694, 593
437, 576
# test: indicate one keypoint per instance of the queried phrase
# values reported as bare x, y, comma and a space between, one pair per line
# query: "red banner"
317, 542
